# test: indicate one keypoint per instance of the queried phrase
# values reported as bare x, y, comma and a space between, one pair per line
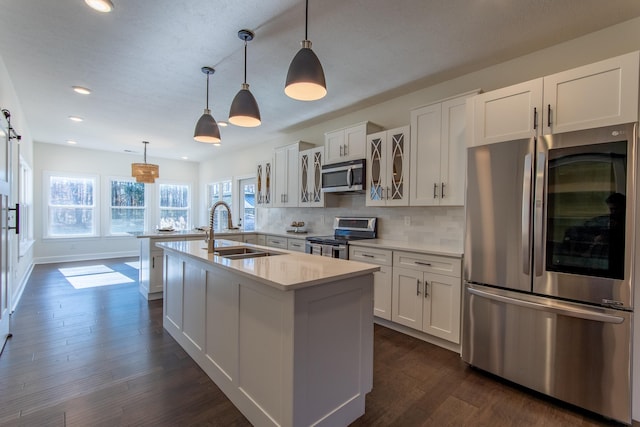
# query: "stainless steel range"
345, 229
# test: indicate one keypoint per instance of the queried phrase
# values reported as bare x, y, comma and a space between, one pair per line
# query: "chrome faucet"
210, 236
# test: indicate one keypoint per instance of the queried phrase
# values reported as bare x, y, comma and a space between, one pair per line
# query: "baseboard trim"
85, 257
23, 284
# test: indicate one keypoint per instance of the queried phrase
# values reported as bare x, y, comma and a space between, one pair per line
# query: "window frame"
46, 193
25, 200
108, 207
219, 219
158, 208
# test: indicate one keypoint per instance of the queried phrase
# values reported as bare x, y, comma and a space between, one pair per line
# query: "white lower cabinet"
381, 279
427, 294
276, 241
295, 244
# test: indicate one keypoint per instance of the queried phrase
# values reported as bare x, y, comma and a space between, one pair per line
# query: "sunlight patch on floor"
134, 264
93, 276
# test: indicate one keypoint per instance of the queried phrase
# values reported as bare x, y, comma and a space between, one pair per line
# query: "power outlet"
407, 221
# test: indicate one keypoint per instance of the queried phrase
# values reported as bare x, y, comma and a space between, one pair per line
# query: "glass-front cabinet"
263, 183
388, 168
310, 169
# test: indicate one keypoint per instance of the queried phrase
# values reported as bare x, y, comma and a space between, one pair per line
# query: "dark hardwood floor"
99, 357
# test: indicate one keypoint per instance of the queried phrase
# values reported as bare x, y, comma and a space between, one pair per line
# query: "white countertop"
444, 250
289, 271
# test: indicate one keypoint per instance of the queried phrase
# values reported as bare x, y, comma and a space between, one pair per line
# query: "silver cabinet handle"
341, 149
535, 118
538, 219
435, 190
418, 287
549, 115
428, 264
345, 149
388, 191
426, 294
368, 256
296, 245
442, 190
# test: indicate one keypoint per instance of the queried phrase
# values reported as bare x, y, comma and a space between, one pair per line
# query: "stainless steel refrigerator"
548, 265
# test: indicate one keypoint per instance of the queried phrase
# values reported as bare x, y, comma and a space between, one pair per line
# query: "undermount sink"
243, 252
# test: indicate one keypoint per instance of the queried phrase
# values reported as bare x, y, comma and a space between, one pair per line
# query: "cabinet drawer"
371, 256
295, 245
428, 263
276, 242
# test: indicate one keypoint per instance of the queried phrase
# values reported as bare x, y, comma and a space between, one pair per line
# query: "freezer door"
498, 214
574, 352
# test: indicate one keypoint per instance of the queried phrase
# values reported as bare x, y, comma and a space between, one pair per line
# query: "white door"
5, 199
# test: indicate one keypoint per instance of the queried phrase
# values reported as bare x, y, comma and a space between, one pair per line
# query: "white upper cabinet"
285, 172
438, 153
600, 94
509, 113
349, 143
388, 168
310, 175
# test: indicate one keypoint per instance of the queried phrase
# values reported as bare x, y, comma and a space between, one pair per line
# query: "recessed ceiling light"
184, 158
223, 124
75, 118
81, 90
71, 141
100, 5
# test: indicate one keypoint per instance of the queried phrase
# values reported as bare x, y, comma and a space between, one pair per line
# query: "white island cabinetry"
288, 338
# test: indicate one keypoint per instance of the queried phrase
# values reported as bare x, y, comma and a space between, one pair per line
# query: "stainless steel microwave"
343, 177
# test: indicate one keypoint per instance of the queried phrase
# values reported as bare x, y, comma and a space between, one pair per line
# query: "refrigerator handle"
539, 211
580, 313
526, 215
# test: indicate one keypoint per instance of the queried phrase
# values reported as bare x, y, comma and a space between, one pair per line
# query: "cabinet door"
259, 183
600, 94
280, 177
355, 142
424, 180
441, 316
376, 169
509, 113
453, 152
291, 194
263, 183
172, 304
194, 305
304, 164
315, 178
156, 272
334, 146
397, 168
407, 297
296, 245
382, 291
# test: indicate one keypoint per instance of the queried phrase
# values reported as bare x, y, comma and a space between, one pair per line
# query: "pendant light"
207, 129
104, 6
145, 172
244, 109
305, 79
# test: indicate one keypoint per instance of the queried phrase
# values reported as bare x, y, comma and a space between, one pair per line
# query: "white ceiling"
142, 61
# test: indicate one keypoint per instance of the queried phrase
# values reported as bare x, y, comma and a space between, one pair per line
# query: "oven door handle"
349, 177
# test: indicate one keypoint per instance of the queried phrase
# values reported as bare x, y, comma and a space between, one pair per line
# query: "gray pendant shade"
244, 109
305, 79
207, 129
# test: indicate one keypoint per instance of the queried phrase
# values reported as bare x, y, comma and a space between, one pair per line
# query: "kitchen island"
287, 337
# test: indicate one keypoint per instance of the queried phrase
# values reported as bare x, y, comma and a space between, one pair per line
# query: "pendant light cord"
145, 151
207, 91
245, 60
306, 19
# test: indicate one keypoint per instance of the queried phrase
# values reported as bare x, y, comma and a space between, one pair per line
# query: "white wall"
62, 158
21, 265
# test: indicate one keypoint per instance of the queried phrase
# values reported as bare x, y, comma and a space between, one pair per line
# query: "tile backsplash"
431, 226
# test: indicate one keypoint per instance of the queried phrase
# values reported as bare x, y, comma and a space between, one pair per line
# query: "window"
217, 191
25, 199
175, 202
247, 202
127, 206
71, 205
